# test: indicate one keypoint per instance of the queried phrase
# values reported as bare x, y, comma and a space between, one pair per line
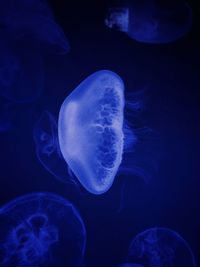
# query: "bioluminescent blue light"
160, 247
151, 21
21, 73
93, 132
34, 21
41, 229
45, 136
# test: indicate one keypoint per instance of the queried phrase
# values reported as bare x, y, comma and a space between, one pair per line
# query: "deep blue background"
171, 73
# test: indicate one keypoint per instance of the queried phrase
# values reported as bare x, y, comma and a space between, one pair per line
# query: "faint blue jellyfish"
93, 132
151, 21
45, 134
161, 247
46, 34
21, 73
41, 229
34, 22
118, 19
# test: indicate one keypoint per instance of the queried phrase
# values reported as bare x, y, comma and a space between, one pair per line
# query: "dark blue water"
170, 74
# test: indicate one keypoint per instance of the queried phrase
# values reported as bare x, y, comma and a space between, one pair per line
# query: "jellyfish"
41, 229
151, 21
93, 132
161, 247
34, 22
46, 34
21, 73
45, 135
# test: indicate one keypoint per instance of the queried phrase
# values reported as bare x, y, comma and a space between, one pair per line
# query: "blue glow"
41, 229
45, 136
150, 21
158, 247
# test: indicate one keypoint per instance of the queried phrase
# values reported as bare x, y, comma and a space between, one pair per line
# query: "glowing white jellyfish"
151, 21
41, 229
93, 133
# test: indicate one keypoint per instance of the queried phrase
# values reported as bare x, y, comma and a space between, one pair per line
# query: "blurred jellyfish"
41, 229
161, 247
34, 22
151, 21
46, 34
93, 133
118, 19
45, 136
21, 73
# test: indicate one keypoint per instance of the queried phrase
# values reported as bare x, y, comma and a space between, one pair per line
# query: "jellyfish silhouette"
41, 229
21, 72
93, 132
151, 21
161, 247
45, 134
34, 22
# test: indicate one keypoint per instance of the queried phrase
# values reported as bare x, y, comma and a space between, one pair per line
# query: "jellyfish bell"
42, 33
94, 135
151, 21
41, 229
33, 22
160, 246
47, 35
90, 130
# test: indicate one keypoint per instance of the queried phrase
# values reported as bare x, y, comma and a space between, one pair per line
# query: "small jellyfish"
93, 132
21, 73
34, 22
41, 229
45, 135
161, 247
151, 21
